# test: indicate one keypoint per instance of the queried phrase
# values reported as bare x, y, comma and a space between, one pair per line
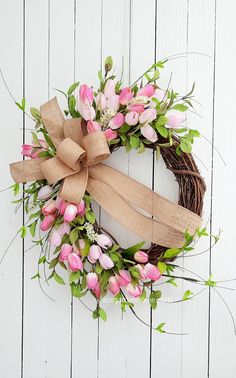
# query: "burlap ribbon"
78, 164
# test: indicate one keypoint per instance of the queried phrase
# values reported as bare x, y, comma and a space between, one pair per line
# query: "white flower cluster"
139, 100
106, 117
92, 235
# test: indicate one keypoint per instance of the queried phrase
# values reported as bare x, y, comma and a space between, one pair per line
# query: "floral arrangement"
139, 116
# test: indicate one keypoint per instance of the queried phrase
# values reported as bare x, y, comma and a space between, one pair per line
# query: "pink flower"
92, 280
125, 96
148, 90
47, 222
134, 291
93, 126
49, 207
109, 89
55, 238
138, 108
74, 262
94, 253
106, 262
45, 192
87, 112
101, 101
86, 95
113, 103
64, 228
70, 213
149, 133
81, 243
81, 208
152, 272
175, 119
117, 121
110, 134
123, 278
66, 250
147, 116
132, 118
142, 273
104, 241
141, 257
26, 150
97, 290
113, 286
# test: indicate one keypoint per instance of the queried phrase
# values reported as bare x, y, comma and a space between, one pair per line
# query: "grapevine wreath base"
63, 171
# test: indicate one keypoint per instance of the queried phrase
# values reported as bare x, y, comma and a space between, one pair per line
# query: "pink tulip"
93, 126
110, 134
141, 257
101, 101
26, 150
113, 103
45, 192
86, 95
147, 116
113, 286
55, 238
74, 262
149, 133
138, 108
104, 241
97, 290
142, 273
109, 89
160, 95
106, 262
81, 208
175, 119
94, 253
42, 143
134, 291
64, 228
86, 112
47, 222
123, 278
81, 243
70, 213
92, 280
66, 250
76, 249
152, 272
148, 90
49, 207
132, 118
125, 96
117, 121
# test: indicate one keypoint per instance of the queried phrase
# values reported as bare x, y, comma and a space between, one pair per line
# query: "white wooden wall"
48, 44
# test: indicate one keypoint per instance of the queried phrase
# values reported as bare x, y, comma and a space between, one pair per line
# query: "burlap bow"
78, 162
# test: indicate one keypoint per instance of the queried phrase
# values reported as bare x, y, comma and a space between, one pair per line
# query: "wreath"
63, 172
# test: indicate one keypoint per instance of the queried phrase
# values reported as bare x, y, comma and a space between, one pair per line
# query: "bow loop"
71, 153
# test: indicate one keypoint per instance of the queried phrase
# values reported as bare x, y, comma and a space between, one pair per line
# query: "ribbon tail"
27, 170
147, 228
74, 186
142, 197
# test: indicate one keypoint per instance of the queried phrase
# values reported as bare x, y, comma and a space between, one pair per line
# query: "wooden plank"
49, 320
11, 45
87, 63
222, 343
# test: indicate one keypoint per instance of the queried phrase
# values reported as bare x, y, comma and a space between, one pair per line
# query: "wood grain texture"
50, 44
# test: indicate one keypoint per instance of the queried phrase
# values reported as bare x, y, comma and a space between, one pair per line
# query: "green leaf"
98, 268
85, 251
89, 215
74, 234
58, 279
16, 189
162, 130
134, 272
53, 263
187, 295
141, 148
180, 107
153, 298
171, 252
143, 296
74, 276
72, 88
42, 260
124, 129
23, 231
102, 314
35, 276
100, 77
185, 146
114, 248
129, 252
33, 228
210, 282
115, 257
108, 64
35, 113
134, 141
172, 282
35, 138
159, 328
161, 266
